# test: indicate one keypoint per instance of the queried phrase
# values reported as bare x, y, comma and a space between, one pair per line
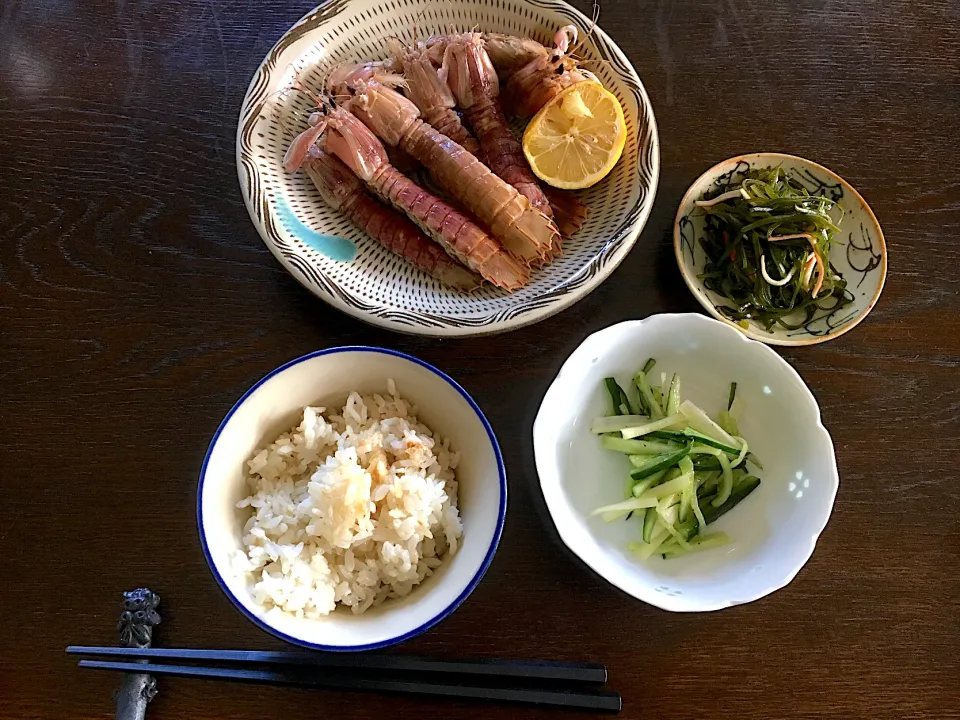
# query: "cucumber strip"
641, 460
707, 440
615, 392
733, 396
628, 488
728, 422
645, 550
670, 545
668, 488
632, 447
743, 480
699, 421
700, 449
702, 542
689, 497
707, 481
643, 449
616, 423
673, 396
684, 514
648, 482
662, 423
618, 398
646, 396
644, 406
743, 451
669, 435
705, 463
659, 462
697, 512
726, 484
671, 505
623, 507
689, 529
649, 365
668, 522
705, 500
671, 474
649, 524
711, 513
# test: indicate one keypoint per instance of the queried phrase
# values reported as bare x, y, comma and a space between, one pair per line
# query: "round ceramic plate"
378, 286
859, 255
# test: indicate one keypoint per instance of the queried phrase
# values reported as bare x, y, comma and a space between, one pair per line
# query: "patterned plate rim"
527, 312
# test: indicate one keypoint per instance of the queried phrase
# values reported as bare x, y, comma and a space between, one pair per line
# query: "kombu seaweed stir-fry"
767, 241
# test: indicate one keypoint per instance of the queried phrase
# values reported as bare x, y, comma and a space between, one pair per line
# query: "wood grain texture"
137, 303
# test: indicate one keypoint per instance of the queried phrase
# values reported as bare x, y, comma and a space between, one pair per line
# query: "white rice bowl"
274, 408
349, 509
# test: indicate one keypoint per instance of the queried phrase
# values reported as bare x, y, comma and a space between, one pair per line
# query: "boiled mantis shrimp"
475, 85
534, 74
525, 231
426, 87
343, 191
344, 136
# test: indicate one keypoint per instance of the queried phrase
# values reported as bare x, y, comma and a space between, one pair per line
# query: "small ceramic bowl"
773, 531
326, 377
859, 254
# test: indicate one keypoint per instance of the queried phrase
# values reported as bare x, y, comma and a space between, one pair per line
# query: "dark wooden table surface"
138, 303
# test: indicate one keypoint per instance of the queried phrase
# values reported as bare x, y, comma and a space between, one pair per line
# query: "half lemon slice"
576, 138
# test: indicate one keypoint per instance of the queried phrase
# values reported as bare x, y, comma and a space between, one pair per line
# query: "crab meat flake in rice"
351, 508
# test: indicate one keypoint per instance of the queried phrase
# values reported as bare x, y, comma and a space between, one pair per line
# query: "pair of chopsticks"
528, 682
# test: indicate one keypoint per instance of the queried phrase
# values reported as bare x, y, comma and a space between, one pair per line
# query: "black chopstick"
597, 700
527, 670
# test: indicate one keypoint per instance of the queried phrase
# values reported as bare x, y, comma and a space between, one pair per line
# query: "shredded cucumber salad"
686, 469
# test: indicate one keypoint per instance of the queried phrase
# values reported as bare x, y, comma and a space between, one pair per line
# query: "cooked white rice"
353, 509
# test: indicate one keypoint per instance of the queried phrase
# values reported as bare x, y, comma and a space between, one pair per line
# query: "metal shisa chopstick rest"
136, 631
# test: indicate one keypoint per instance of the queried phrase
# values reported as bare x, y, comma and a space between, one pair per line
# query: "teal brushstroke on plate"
334, 247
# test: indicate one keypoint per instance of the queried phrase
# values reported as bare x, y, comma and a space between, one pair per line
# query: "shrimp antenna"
594, 18
297, 85
595, 15
300, 86
319, 101
331, 71
294, 115
582, 62
416, 26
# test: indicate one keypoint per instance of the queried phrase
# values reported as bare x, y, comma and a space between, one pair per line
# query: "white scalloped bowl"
378, 286
773, 531
274, 404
